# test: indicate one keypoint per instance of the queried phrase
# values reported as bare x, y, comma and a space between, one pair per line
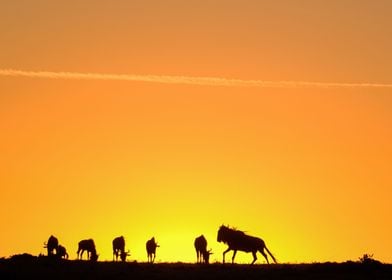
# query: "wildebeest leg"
264, 254
232, 259
153, 260
224, 253
254, 257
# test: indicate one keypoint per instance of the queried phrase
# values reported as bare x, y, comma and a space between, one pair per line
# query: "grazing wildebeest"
51, 245
61, 252
119, 249
89, 246
201, 249
151, 247
238, 241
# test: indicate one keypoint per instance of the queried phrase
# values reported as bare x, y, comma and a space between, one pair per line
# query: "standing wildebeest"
239, 241
51, 245
119, 249
61, 252
201, 249
151, 247
89, 246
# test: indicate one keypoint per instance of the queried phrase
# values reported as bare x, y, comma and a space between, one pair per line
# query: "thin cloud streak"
186, 80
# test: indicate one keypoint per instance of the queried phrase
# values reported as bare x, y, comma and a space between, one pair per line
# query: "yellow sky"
305, 168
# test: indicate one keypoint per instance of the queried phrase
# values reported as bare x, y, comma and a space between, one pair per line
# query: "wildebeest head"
124, 255
221, 233
206, 256
94, 257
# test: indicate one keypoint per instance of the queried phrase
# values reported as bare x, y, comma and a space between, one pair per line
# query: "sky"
171, 118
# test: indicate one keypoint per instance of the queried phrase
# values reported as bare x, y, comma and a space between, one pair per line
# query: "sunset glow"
171, 118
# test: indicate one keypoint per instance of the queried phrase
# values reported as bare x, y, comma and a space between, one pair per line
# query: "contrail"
187, 80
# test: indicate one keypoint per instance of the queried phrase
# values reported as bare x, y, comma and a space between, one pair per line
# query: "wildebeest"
51, 245
61, 252
151, 247
238, 241
89, 246
201, 249
119, 248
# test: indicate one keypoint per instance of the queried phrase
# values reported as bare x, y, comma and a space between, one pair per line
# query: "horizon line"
187, 80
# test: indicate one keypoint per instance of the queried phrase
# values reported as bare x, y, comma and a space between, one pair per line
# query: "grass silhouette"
26, 266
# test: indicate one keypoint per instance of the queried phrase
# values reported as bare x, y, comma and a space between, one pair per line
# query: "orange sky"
305, 168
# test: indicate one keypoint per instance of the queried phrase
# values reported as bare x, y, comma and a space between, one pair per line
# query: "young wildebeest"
201, 249
62, 252
119, 249
238, 241
51, 245
89, 246
151, 247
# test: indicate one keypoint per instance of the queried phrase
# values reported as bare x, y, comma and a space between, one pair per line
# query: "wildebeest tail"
272, 256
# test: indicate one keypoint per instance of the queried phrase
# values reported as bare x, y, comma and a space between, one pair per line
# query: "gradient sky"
308, 169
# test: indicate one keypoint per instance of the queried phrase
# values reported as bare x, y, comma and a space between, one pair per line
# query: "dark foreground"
44, 268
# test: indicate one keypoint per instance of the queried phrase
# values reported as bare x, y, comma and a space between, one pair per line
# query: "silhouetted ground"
29, 267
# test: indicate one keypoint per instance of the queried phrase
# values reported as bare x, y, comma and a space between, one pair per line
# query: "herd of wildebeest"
235, 239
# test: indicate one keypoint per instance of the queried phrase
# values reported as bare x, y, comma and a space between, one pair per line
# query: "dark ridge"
26, 266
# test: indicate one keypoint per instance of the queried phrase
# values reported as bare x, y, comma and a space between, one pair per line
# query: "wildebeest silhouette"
151, 247
89, 246
51, 245
238, 241
61, 252
201, 249
119, 249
